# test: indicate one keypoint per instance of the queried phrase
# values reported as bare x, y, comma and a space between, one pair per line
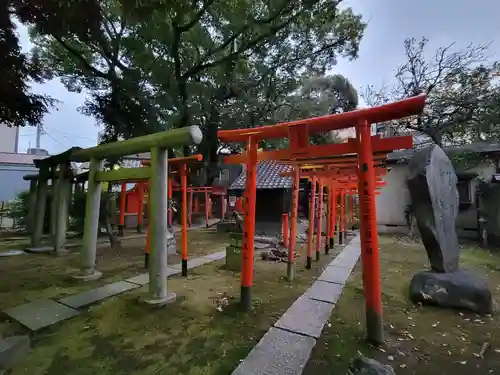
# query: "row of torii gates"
359, 169
350, 166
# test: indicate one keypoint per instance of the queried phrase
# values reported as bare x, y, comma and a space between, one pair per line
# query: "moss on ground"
24, 278
419, 340
189, 337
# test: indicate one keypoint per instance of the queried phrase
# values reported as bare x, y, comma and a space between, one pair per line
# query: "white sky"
381, 51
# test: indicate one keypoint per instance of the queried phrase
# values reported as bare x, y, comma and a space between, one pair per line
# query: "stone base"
368, 366
459, 289
87, 276
160, 302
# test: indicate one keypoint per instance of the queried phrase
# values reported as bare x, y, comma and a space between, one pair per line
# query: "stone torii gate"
57, 168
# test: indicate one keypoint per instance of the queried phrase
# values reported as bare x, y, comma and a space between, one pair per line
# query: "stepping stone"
40, 313
306, 317
9, 253
323, 291
98, 294
12, 350
343, 262
277, 353
39, 250
336, 274
193, 263
143, 278
216, 256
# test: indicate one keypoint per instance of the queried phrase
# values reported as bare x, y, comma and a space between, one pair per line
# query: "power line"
72, 135
54, 139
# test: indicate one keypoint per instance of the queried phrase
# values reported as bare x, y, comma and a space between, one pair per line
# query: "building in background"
9, 139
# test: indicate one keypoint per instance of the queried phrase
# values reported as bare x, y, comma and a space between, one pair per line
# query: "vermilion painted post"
319, 230
341, 217
222, 207
312, 214
140, 209
293, 230
123, 203
169, 201
196, 205
184, 220
346, 214
190, 215
206, 208
148, 236
335, 211
284, 230
249, 229
369, 236
328, 216
353, 192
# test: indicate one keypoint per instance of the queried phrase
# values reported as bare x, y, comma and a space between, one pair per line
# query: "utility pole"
38, 135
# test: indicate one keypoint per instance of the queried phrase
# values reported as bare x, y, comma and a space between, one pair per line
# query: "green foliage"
148, 66
18, 106
18, 208
466, 160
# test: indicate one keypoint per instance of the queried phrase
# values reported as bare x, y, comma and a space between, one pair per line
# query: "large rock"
368, 366
432, 183
459, 289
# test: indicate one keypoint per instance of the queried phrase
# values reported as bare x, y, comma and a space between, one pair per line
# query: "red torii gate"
364, 146
338, 177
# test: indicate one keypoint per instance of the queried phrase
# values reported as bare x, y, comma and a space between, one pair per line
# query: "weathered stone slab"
10, 253
40, 313
192, 263
39, 250
12, 350
306, 316
216, 256
98, 294
346, 261
432, 183
459, 289
336, 274
326, 292
143, 278
277, 353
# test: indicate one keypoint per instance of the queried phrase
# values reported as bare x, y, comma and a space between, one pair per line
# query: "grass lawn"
188, 337
419, 340
27, 277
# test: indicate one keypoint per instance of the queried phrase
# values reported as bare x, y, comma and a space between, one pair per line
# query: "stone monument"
432, 184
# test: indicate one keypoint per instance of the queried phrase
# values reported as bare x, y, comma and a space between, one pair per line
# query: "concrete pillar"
53, 204
30, 218
41, 205
91, 224
63, 187
158, 224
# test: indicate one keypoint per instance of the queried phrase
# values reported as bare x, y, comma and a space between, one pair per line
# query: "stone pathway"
286, 347
43, 313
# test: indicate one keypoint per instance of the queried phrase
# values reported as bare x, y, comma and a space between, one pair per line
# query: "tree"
156, 65
461, 86
18, 106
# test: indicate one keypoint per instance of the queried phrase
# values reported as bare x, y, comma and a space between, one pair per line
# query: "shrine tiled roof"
268, 177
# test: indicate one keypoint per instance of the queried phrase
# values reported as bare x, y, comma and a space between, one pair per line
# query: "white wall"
8, 138
393, 197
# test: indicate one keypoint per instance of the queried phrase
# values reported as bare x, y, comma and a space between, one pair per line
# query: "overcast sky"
381, 51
